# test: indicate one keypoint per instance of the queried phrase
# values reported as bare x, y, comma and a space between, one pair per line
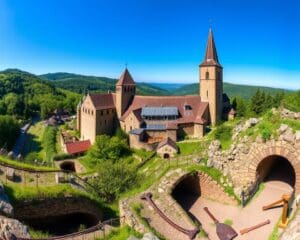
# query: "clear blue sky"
258, 41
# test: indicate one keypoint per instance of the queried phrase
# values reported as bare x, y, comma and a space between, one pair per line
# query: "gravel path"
251, 215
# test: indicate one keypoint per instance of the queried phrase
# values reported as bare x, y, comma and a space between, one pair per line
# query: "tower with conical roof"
211, 80
125, 91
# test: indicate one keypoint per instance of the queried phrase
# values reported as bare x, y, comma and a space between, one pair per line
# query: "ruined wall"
240, 162
56, 207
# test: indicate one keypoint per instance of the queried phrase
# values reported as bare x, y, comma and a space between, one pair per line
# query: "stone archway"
263, 160
276, 168
166, 155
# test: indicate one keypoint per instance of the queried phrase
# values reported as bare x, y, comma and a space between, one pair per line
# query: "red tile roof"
103, 100
195, 115
126, 79
78, 147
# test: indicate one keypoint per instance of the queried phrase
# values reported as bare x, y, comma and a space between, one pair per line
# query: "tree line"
261, 101
23, 95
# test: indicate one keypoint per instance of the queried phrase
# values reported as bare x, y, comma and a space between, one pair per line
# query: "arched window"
207, 75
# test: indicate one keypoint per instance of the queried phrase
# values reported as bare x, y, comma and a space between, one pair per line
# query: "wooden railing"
89, 233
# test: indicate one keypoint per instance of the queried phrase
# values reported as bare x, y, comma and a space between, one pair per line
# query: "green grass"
34, 142
186, 148
27, 166
275, 233
121, 234
17, 192
36, 234
228, 222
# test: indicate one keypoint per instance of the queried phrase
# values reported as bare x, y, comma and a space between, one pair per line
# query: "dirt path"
251, 215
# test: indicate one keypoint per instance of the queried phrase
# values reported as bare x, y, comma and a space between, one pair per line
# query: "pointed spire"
126, 78
211, 56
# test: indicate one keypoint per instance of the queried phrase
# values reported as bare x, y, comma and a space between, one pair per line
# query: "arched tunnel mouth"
59, 216
187, 191
68, 166
276, 168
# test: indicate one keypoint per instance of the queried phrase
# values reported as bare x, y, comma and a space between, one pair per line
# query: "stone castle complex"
157, 121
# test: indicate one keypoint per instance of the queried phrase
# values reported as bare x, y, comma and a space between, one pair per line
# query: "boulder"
150, 236
282, 128
251, 122
10, 228
297, 136
289, 136
133, 238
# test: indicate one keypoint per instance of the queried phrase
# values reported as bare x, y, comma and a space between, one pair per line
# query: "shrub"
107, 148
113, 179
62, 156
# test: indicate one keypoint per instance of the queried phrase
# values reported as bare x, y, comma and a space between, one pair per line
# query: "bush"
107, 148
113, 179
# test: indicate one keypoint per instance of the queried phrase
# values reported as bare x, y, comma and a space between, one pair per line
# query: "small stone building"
167, 148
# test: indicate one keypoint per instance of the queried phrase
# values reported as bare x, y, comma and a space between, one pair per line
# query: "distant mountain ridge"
79, 83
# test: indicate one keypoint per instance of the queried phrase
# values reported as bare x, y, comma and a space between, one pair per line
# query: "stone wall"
292, 232
56, 207
206, 187
240, 162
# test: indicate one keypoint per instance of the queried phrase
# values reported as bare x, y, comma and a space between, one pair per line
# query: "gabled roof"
167, 141
211, 56
159, 111
126, 79
195, 115
103, 100
78, 147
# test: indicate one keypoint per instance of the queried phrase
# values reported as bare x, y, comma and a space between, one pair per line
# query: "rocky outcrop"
285, 113
6, 208
147, 236
128, 217
240, 162
11, 228
292, 232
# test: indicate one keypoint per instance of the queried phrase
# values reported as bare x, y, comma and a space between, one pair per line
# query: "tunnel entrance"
63, 224
68, 166
276, 168
187, 191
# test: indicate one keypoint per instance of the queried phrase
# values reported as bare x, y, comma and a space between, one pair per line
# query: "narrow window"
207, 75
206, 93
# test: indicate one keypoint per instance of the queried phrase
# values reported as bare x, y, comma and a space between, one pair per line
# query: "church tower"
125, 91
211, 81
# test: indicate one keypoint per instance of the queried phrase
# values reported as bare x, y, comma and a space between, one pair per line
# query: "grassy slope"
79, 83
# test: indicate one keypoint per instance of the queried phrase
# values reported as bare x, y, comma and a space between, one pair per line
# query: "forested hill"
232, 90
79, 83
22, 94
